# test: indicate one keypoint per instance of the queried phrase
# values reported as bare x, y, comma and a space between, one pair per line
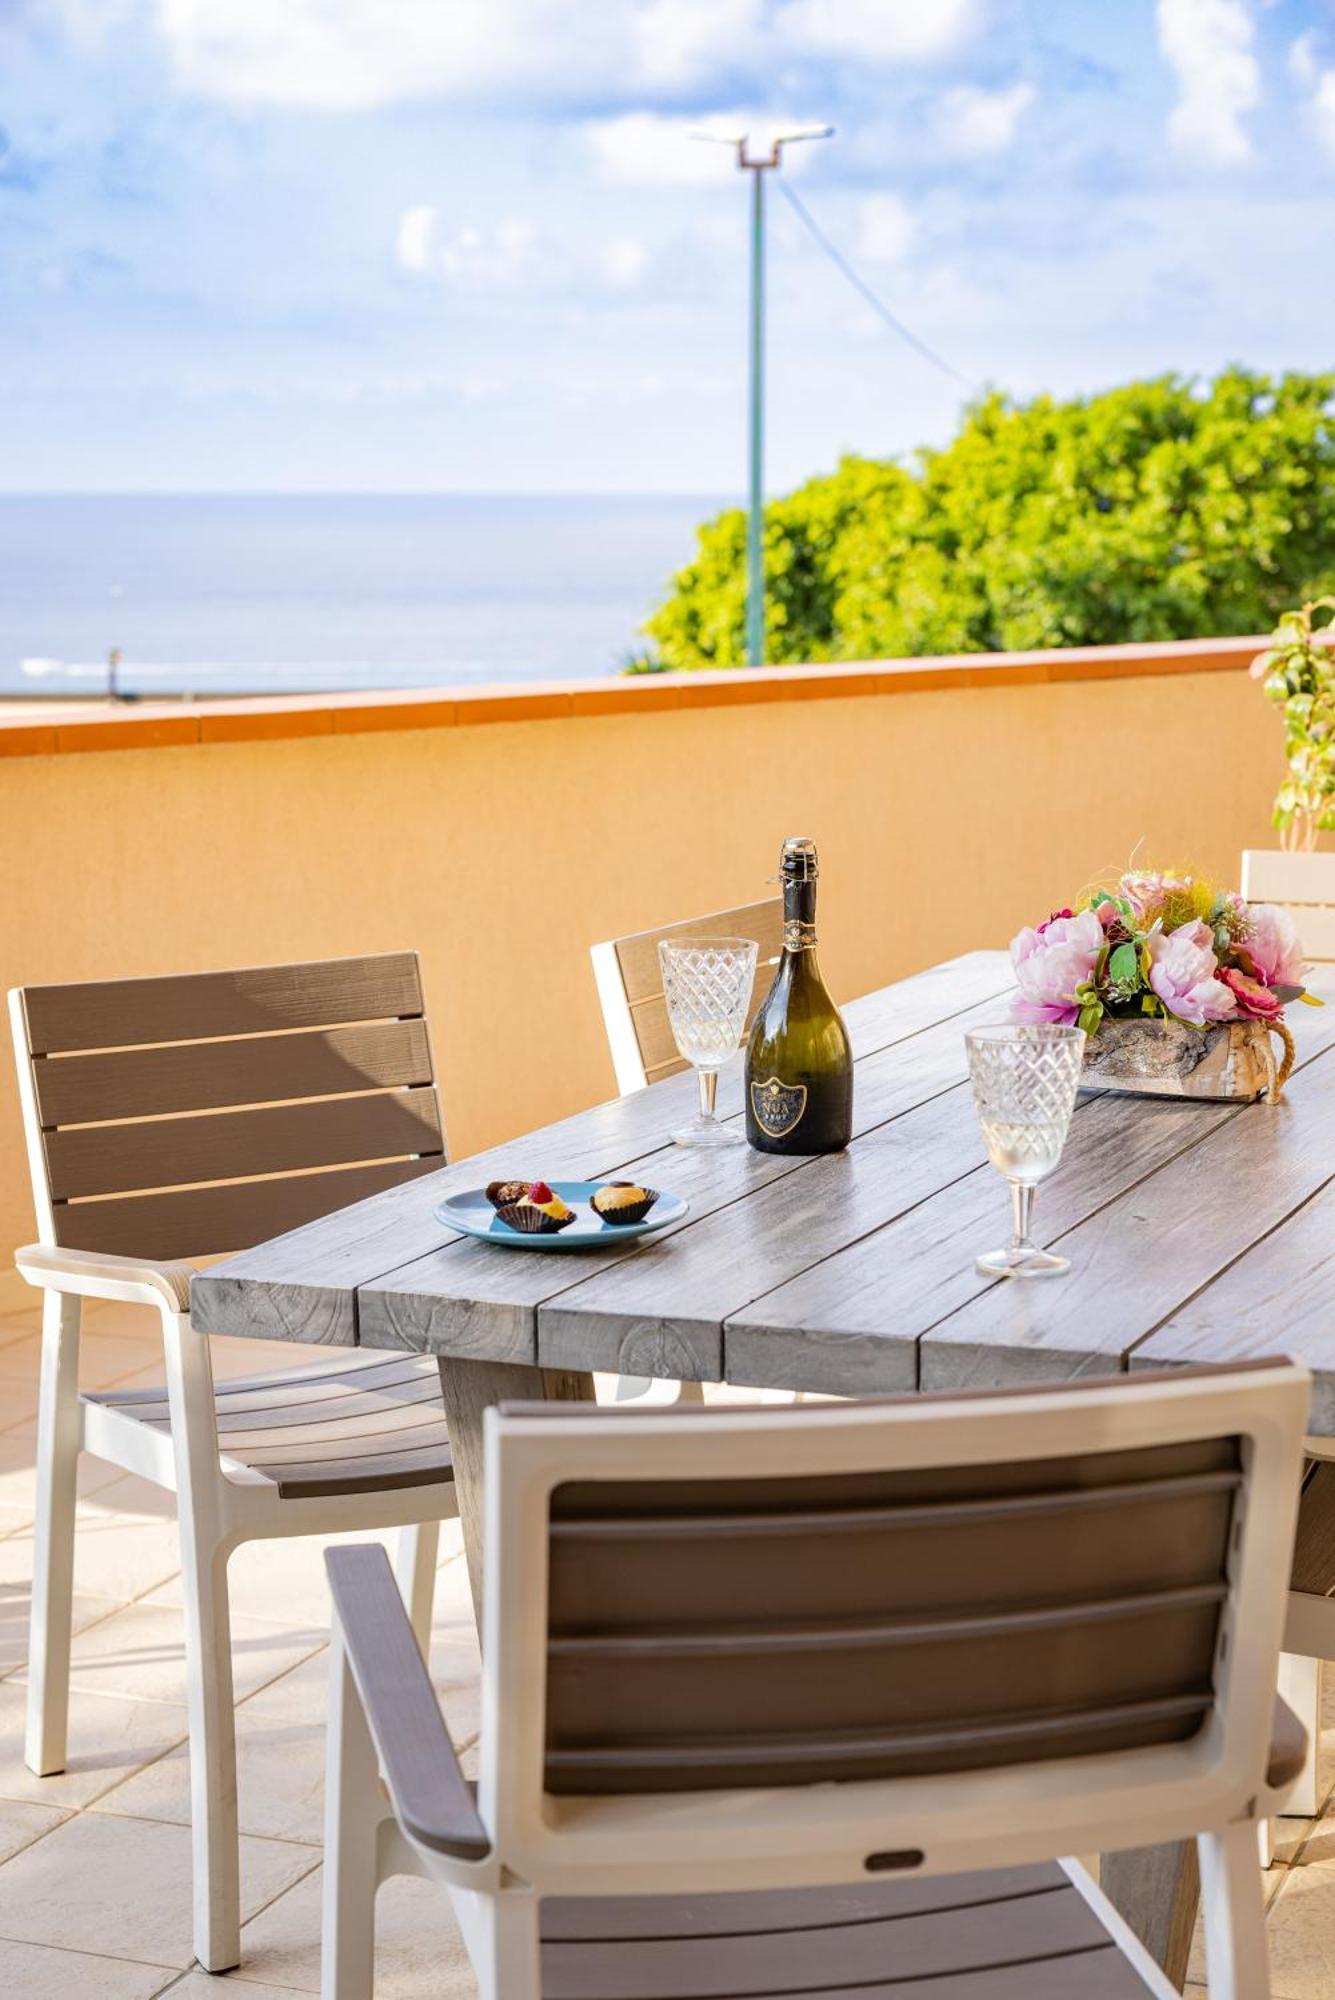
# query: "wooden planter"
1240, 1060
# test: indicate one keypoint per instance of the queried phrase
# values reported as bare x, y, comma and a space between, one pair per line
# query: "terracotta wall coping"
47, 728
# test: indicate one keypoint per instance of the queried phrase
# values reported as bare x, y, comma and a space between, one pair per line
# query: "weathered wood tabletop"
1196, 1232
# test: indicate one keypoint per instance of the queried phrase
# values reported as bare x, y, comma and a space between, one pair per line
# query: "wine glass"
707, 984
1024, 1083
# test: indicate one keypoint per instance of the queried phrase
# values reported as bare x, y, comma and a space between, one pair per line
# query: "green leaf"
1124, 966
1090, 1016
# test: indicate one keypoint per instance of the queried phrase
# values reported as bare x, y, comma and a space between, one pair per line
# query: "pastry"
538, 1212
623, 1201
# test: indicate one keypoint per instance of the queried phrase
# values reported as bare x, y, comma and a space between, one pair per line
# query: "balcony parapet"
43, 728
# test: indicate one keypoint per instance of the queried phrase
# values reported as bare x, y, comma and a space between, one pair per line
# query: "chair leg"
353, 1809
415, 1565
205, 1546
1236, 1960
1300, 1686
213, 1804
501, 1932
58, 1441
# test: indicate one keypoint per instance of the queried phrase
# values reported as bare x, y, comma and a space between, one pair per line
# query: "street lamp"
758, 164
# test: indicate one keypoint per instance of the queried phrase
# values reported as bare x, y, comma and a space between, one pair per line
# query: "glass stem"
708, 1091
1022, 1212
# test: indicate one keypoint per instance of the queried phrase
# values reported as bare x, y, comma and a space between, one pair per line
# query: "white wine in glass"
1025, 1078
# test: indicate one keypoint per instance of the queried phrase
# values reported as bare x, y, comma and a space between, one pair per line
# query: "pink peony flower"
1254, 1000
1183, 971
1144, 886
1272, 945
1051, 962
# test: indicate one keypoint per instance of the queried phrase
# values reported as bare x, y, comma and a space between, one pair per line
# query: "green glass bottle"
799, 1066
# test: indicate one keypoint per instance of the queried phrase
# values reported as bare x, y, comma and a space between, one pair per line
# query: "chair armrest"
1288, 1748
432, 1799
97, 1274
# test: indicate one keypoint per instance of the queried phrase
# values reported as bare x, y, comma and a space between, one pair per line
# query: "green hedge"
1163, 510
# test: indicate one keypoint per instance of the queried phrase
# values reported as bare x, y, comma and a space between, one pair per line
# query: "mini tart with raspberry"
623, 1201
501, 1193
538, 1212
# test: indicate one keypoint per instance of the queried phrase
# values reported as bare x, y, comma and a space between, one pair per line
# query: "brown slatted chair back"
721, 1632
630, 981
198, 1114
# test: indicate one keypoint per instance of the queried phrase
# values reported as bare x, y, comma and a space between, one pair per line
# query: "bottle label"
778, 1107
798, 936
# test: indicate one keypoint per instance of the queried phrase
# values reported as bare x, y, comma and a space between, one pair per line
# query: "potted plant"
1179, 985
1298, 671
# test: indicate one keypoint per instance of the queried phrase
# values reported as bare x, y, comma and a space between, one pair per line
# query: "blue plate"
473, 1215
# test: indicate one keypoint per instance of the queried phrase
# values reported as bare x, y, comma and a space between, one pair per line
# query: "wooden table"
1196, 1233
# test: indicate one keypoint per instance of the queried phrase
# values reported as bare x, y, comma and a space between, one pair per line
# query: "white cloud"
415, 244
680, 42
344, 54
879, 30
624, 261
491, 259
1308, 72
650, 149
887, 229
1303, 65
1323, 104
972, 122
1208, 46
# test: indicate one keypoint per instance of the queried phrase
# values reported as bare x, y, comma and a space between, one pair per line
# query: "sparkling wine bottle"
799, 1067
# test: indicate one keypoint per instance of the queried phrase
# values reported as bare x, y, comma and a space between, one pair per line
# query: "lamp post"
758, 164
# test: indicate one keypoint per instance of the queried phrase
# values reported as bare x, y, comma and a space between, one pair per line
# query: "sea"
263, 594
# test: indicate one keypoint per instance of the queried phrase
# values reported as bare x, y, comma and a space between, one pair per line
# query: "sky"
471, 245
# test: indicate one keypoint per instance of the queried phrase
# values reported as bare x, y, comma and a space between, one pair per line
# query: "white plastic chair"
141, 1156
799, 1698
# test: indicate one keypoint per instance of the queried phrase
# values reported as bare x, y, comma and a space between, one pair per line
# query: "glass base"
709, 1132
1022, 1261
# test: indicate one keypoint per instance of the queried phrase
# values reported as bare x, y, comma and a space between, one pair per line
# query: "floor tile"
122, 1886
1302, 1934
283, 1581
139, 1653
20, 1825
199, 1985
280, 1781
37, 1972
419, 1953
115, 1555
108, 1741
15, 1600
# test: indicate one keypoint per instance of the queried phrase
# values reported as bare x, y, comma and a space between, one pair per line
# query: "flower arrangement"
1170, 948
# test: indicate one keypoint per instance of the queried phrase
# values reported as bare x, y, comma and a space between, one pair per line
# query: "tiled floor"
95, 1864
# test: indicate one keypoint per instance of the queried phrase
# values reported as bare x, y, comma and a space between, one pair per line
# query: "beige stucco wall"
945, 819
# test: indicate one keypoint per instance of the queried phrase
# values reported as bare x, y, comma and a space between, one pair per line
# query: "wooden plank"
466, 1298
119, 1013
466, 1292
850, 1324
308, 1278
1158, 1891
197, 1222
207, 1076
637, 956
1277, 1299
1142, 1257
229, 1145
469, 1390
